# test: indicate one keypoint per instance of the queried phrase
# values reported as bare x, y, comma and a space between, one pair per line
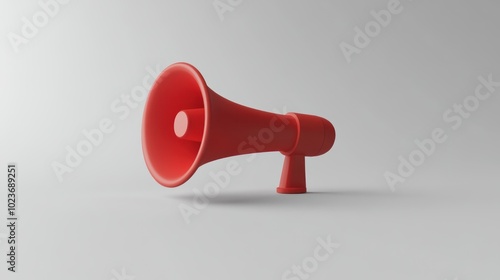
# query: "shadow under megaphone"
322, 198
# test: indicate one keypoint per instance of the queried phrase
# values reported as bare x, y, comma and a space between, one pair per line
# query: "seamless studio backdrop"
410, 189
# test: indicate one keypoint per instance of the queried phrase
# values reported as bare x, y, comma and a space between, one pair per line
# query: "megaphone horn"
186, 124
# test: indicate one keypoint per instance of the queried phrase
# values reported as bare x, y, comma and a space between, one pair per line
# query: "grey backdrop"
108, 218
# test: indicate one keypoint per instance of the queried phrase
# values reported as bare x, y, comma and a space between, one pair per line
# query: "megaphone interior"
186, 124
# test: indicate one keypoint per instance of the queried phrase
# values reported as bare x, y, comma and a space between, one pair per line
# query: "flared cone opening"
170, 159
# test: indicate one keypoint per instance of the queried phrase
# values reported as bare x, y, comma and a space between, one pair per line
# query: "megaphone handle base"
293, 175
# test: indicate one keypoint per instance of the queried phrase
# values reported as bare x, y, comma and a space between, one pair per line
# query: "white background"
109, 216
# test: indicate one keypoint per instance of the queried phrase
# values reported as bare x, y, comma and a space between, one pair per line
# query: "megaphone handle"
293, 175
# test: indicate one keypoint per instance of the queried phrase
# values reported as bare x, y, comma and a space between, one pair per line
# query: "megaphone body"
186, 124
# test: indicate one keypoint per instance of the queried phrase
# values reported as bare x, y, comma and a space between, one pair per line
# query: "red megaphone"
186, 125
